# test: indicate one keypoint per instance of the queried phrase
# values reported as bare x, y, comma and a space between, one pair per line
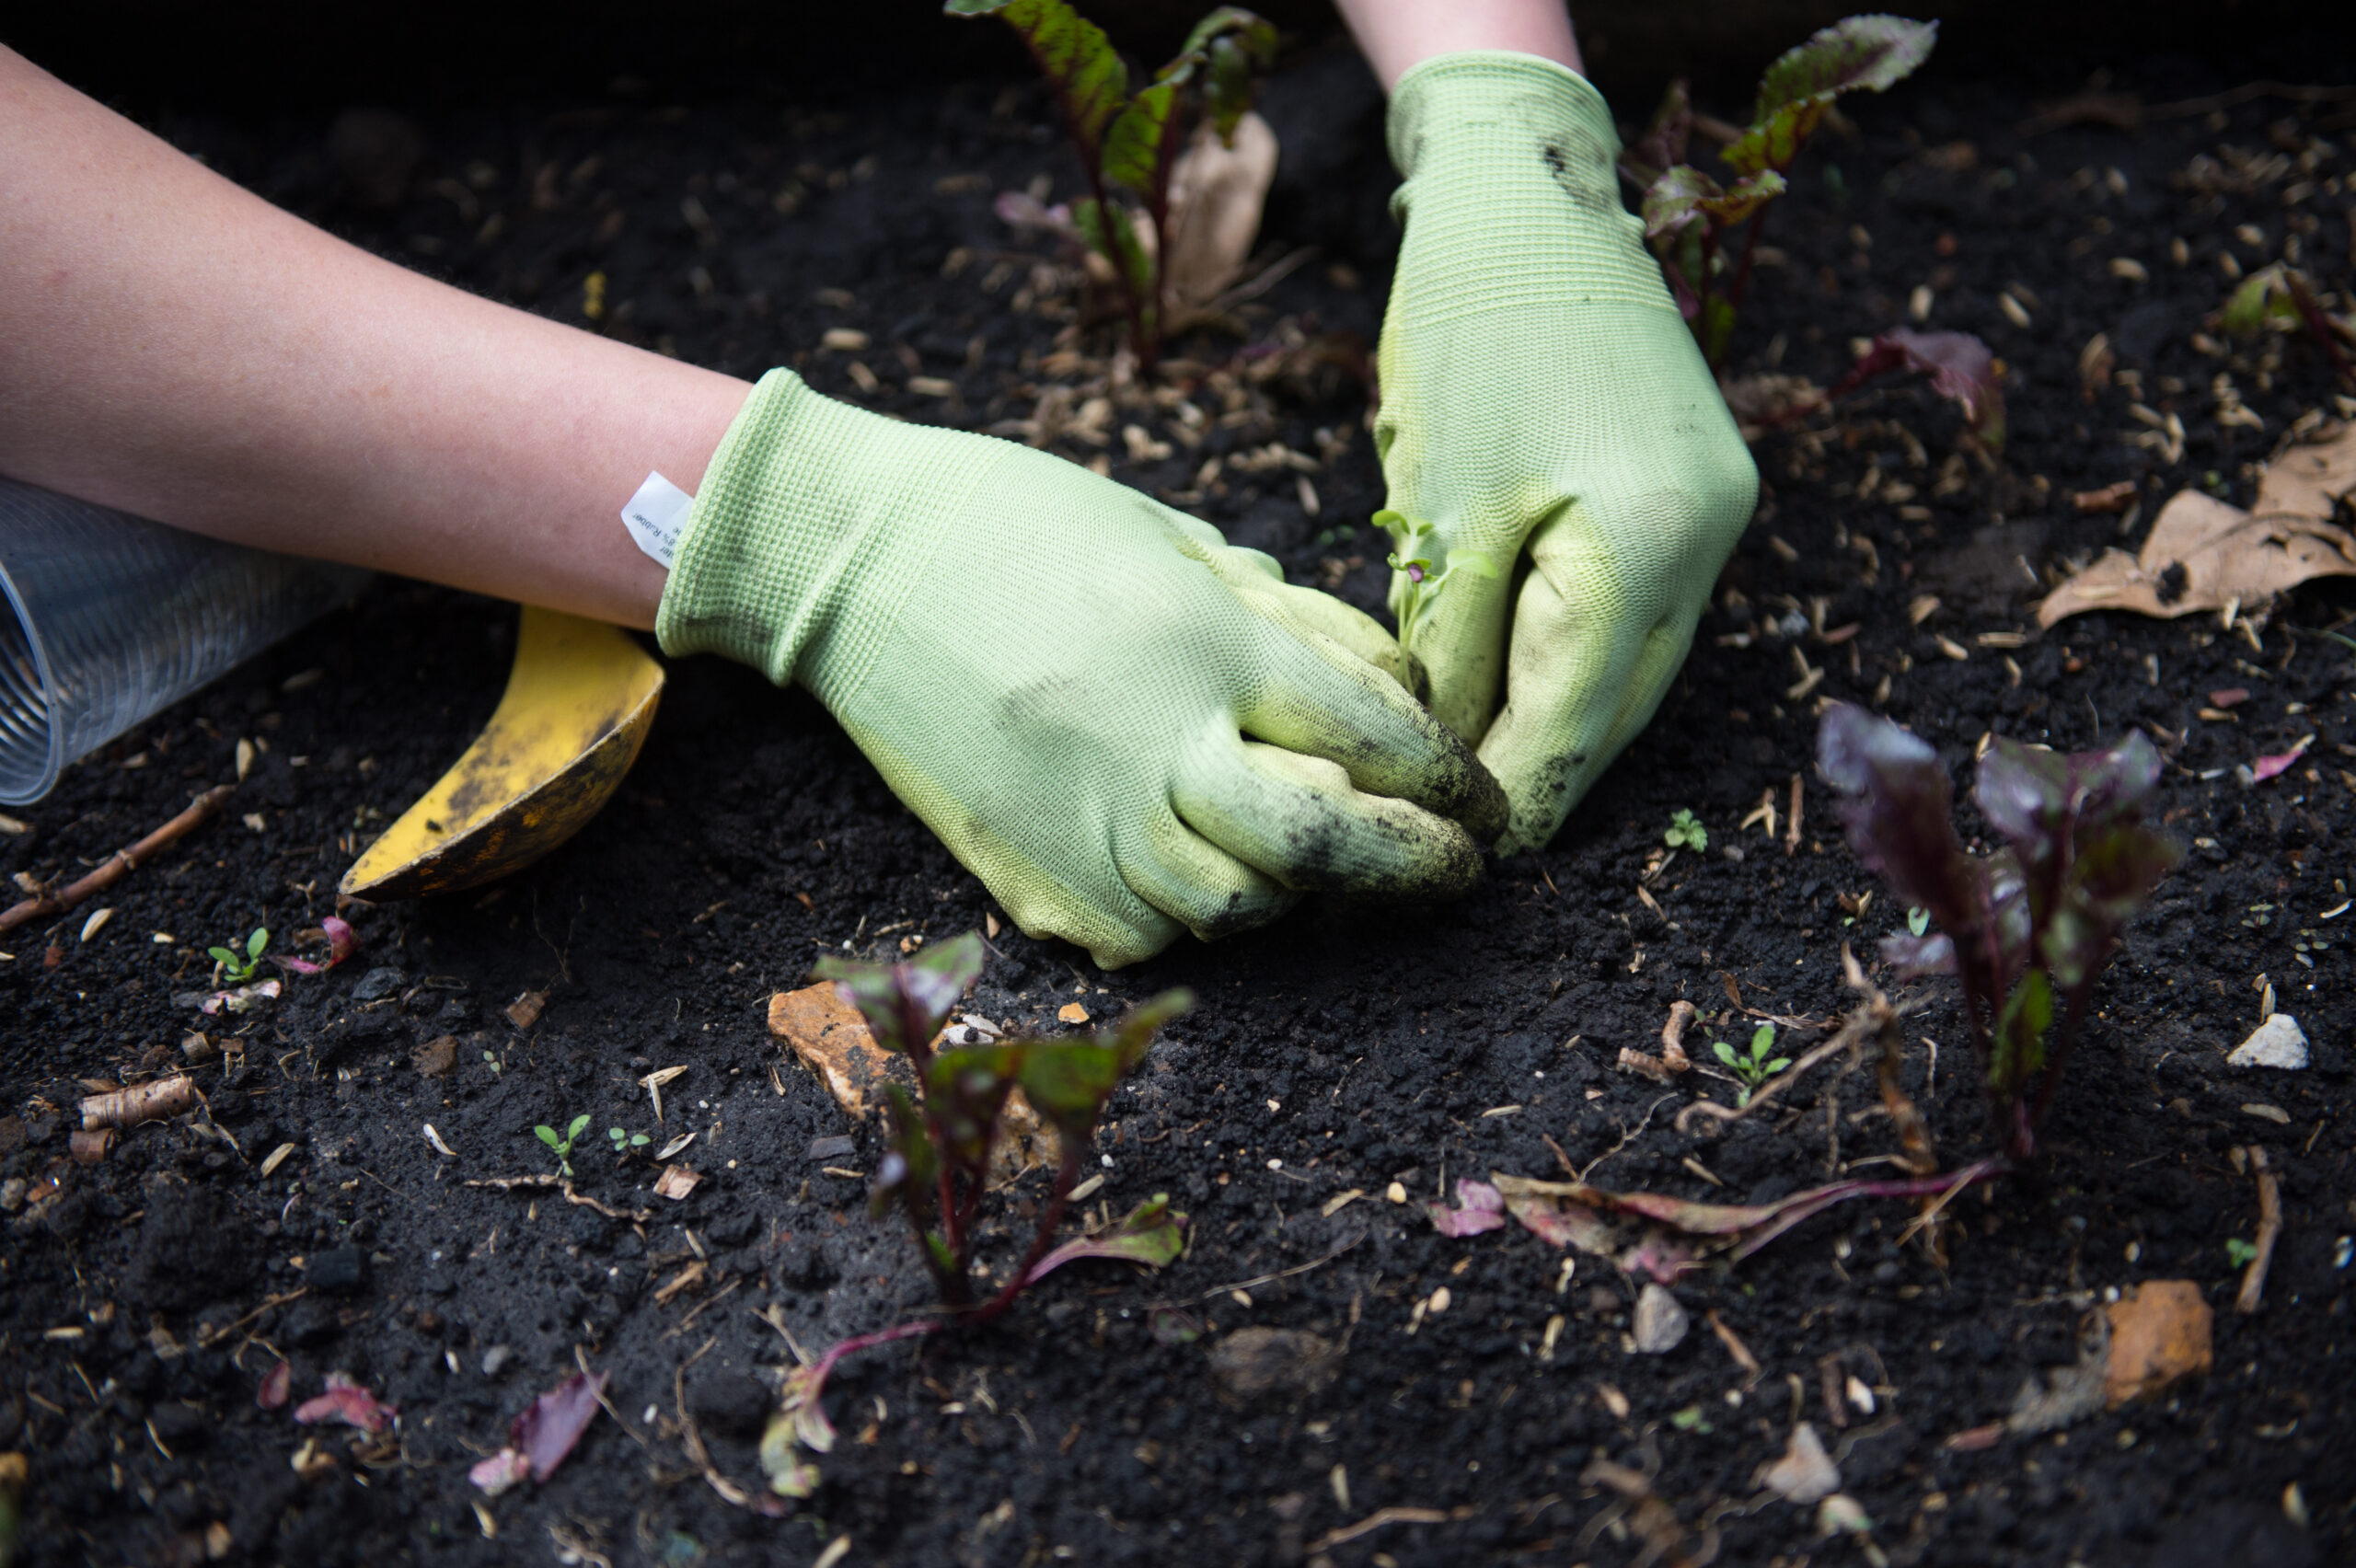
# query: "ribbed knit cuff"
799, 510
1511, 194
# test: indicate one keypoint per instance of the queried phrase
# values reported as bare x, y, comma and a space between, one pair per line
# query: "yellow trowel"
578, 703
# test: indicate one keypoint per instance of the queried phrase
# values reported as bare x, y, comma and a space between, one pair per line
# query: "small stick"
2269, 1229
1733, 1341
1792, 822
140, 1103
122, 863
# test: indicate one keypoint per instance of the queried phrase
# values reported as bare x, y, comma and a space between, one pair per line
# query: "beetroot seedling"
2026, 930
1689, 216
936, 1170
1129, 145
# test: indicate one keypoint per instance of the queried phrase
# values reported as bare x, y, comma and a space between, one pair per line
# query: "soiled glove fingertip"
1485, 809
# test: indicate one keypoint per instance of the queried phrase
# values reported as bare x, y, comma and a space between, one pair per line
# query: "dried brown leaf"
831, 1038
2202, 554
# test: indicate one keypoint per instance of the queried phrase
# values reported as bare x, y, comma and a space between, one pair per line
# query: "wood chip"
2274, 1113
276, 1157
141, 1102
525, 1010
1072, 1012
1339, 1202
677, 1182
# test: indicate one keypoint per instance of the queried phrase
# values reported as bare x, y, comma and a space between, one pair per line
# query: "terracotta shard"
2159, 1333
831, 1039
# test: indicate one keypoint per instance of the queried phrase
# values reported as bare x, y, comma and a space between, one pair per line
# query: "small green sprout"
2239, 1253
237, 968
1690, 1419
1918, 920
1757, 1068
1417, 586
490, 1060
1686, 831
563, 1145
625, 1142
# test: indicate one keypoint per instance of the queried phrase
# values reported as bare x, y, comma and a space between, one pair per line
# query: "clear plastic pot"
113, 618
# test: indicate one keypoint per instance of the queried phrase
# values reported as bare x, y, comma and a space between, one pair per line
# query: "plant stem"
1052, 1217
1740, 285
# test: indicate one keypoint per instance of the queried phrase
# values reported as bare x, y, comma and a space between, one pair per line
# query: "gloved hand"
1545, 412
1122, 725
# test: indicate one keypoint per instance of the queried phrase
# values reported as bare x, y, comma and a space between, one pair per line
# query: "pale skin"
177, 348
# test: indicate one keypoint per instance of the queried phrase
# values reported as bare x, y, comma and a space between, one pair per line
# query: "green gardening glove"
1123, 726
1564, 479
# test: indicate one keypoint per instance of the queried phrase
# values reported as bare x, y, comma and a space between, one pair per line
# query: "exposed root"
561, 1185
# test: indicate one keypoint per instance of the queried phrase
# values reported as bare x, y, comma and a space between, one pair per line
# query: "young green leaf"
1918, 920
1763, 1040
257, 943
1684, 196
578, 1123
1726, 1054
223, 955
548, 1136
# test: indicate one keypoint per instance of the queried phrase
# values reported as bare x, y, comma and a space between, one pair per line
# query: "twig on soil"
560, 1184
1375, 1521
122, 863
722, 1293
1735, 1347
1255, 1284
141, 1102
598, 1392
693, 1440
2270, 1231
208, 1336
1626, 1139
1792, 822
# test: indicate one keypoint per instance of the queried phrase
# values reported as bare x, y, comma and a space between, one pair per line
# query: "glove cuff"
1475, 90
1511, 195
811, 521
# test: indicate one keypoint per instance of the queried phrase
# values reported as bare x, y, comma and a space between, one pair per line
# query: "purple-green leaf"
1135, 144
1479, 1209
906, 1004
1869, 52
1684, 196
1153, 1234
1089, 81
1897, 805
1961, 366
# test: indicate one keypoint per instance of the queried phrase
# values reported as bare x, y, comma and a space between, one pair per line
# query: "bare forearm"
1397, 35
172, 345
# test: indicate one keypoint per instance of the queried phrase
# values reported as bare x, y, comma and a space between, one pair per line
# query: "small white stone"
1660, 1322
2277, 1043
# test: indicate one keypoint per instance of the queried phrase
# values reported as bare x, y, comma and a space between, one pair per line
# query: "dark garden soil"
143, 1296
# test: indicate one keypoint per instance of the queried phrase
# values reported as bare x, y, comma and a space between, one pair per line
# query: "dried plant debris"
1478, 1208
2204, 555
543, 1434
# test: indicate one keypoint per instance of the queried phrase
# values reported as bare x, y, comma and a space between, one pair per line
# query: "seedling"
491, 1061
1756, 1068
1425, 565
1686, 831
237, 968
2239, 1253
2281, 296
1129, 143
943, 1135
1918, 920
1689, 215
625, 1142
2026, 930
563, 1145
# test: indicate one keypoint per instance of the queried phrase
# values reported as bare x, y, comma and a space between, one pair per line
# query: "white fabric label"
657, 518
